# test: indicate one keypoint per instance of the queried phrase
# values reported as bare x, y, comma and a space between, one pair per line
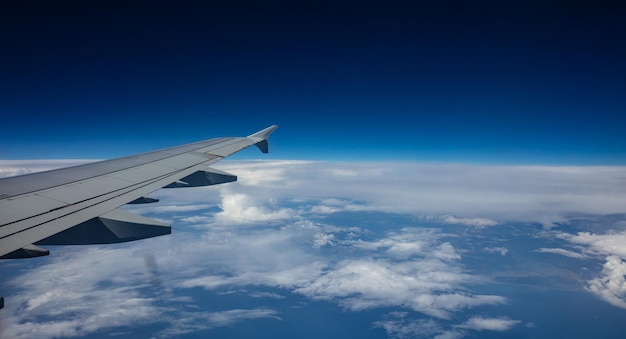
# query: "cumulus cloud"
611, 243
242, 208
489, 324
611, 285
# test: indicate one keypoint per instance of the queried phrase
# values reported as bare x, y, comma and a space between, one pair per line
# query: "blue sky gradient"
488, 82
429, 227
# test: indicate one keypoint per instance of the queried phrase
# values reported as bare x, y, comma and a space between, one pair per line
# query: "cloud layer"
269, 231
480, 195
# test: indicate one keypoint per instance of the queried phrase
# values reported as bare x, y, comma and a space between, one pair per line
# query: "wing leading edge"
78, 205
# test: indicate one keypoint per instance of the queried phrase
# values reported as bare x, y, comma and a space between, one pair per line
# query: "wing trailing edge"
78, 205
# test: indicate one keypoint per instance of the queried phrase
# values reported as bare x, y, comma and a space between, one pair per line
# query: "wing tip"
260, 138
264, 133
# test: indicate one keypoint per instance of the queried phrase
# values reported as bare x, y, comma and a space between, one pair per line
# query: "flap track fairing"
207, 177
113, 227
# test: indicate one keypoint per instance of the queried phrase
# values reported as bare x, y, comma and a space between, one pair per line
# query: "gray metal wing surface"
78, 205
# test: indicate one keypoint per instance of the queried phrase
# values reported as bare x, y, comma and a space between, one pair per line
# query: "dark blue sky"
495, 82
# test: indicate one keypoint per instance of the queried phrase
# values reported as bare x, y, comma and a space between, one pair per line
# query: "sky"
441, 170
480, 82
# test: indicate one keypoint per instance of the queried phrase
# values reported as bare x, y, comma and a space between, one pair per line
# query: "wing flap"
84, 190
15, 209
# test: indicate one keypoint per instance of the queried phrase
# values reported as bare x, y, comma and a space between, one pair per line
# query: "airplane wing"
78, 205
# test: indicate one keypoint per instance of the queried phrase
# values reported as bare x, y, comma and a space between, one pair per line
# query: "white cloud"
241, 208
323, 239
343, 172
478, 222
489, 324
264, 173
478, 195
197, 219
228, 317
189, 322
450, 335
611, 285
562, 251
445, 251
412, 268
502, 250
71, 285
82, 286
606, 244
329, 206
423, 286
406, 243
400, 327
266, 295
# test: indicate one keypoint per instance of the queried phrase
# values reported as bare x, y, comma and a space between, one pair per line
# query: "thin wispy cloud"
501, 250
562, 251
478, 222
489, 324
